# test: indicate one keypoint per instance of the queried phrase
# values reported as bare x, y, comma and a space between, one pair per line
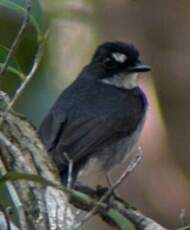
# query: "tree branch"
117, 212
21, 151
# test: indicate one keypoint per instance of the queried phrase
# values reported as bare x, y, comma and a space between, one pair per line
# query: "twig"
17, 39
69, 183
35, 65
110, 183
69, 179
140, 221
133, 164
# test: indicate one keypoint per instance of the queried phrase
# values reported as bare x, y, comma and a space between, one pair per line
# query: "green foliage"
13, 14
19, 6
13, 67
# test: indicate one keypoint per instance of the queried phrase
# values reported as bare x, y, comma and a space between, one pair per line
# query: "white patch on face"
119, 57
125, 81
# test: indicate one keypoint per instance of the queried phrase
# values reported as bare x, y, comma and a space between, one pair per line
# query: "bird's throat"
124, 80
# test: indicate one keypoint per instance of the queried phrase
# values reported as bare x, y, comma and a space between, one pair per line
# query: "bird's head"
120, 62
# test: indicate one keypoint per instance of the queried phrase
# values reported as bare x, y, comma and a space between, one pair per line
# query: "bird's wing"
85, 135
51, 128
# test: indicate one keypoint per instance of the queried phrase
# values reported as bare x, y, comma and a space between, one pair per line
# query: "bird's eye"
109, 62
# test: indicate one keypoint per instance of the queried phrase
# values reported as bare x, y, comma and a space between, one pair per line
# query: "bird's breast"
98, 98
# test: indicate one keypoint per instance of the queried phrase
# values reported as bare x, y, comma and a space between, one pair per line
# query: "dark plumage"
98, 118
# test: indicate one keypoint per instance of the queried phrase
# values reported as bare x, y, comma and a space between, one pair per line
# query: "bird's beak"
139, 68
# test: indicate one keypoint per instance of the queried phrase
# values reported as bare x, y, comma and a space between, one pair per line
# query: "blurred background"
160, 186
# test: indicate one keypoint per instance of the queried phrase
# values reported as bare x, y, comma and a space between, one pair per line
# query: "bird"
97, 120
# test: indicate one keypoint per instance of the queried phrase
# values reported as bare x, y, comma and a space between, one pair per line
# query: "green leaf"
14, 176
13, 67
36, 15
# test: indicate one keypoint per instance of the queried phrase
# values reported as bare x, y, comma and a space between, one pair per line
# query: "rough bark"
37, 206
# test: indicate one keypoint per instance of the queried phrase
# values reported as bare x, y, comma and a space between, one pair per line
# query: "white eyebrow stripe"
119, 57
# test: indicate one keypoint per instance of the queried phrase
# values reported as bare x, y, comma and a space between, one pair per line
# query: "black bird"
97, 120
